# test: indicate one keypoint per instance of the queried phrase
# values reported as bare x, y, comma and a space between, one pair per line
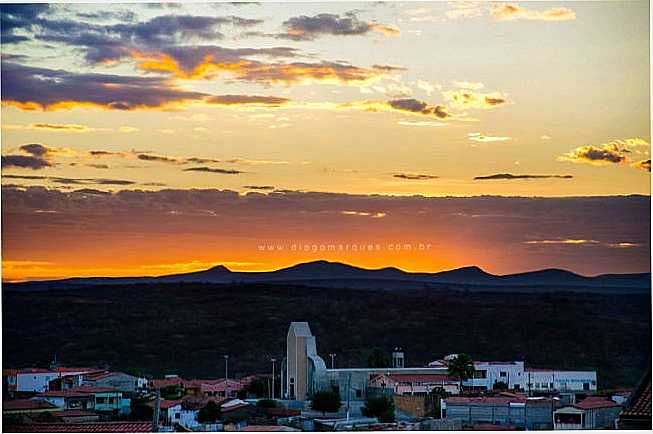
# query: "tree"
461, 367
209, 413
381, 407
258, 387
326, 401
378, 359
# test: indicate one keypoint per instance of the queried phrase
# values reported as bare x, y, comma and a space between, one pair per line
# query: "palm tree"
462, 367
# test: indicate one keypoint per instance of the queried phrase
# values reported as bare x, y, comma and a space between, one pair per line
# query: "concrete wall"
571, 381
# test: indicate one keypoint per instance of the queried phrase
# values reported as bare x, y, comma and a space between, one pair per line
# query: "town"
304, 393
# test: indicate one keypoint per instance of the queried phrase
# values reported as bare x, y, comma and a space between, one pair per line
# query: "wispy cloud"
308, 28
509, 176
480, 137
510, 12
414, 176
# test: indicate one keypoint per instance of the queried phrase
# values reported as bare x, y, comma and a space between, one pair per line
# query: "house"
125, 383
553, 380
224, 388
414, 384
518, 377
27, 407
107, 399
517, 411
9, 382
38, 379
637, 412
173, 412
68, 399
591, 413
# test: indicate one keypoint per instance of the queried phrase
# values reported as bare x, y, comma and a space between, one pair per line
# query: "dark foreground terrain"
186, 328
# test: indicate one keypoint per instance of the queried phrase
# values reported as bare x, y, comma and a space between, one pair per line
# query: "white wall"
34, 382
513, 374
571, 381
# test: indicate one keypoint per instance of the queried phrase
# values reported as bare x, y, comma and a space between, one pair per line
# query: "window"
480, 374
359, 393
177, 415
551, 385
503, 374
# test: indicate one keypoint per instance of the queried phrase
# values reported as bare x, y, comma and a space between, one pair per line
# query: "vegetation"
209, 413
266, 403
461, 367
257, 388
172, 328
174, 391
378, 359
326, 401
381, 407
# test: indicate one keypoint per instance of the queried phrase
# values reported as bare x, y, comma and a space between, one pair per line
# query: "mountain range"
334, 274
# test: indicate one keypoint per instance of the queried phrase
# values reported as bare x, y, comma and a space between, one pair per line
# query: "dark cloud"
36, 149
24, 162
416, 106
91, 191
214, 170
511, 176
246, 99
100, 153
108, 15
307, 28
494, 101
18, 17
608, 153
40, 88
414, 176
72, 181
159, 158
259, 187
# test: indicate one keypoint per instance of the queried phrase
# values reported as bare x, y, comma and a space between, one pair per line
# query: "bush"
381, 407
266, 403
326, 401
209, 413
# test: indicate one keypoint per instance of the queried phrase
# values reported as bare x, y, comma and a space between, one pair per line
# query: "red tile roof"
9, 372
73, 413
423, 378
165, 404
26, 404
640, 403
70, 393
161, 383
595, 402
268, 428
84, 427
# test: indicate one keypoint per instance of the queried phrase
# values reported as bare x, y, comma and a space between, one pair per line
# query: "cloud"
614, 152
159, 159
308, 28
509, 12
509, 176
374, 215
68, 128
580, 242
408, 123
73, 181
246, 100
18, 17
31, 88
465, 99
414, 176
421, 107
36, 149
24, 162
643, 164
259, 187
214, 170
469, 85
480, 137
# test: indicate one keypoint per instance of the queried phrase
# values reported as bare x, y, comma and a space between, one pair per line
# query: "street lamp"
333, 356
226, 366
273, 360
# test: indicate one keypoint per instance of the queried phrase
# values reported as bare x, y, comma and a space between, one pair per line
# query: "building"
637, 411
520, 412
518, 377
552, 380
591, 413
414, 384
68, 399
106, 399
38, 379
9, 382
27, 407
125, 383
304, 371
76, 416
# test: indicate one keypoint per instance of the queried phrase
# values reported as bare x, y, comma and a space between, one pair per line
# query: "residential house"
27, 407
87, 427
555, 380
9, 382
590, 413
107, 399
68, 399
76, 416
414, 384
125, 383
38, 379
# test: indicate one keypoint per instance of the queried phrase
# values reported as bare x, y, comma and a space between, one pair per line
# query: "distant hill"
335, 274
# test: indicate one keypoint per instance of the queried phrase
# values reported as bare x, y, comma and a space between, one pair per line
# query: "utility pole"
155, 413
226, 366
273, 360
348, 392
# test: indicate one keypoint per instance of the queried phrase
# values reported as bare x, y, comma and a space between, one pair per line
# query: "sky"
147, 139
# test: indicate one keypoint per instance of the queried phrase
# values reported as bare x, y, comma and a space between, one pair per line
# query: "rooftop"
640, 402
26, 404
84, 427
